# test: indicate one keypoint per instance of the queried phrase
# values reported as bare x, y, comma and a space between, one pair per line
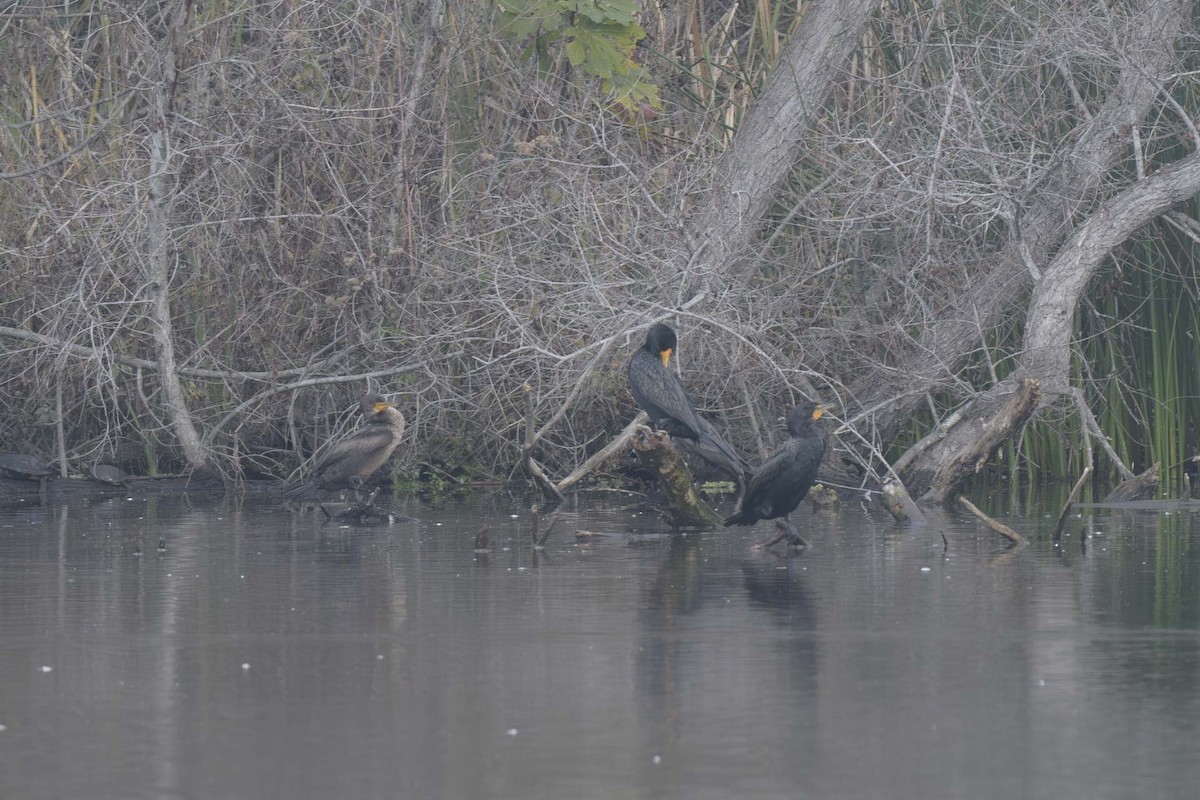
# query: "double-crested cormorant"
786, 476
661, 394
348, 462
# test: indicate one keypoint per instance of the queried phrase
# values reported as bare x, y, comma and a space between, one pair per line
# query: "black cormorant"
661, 394
786, 476
346, 463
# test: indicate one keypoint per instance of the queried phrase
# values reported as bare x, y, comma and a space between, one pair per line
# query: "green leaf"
618, 12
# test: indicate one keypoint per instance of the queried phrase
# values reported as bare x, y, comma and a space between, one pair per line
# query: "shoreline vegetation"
969, 230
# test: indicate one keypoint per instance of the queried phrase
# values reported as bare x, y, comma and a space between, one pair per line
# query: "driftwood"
995, 525
973, 441
617, 445
655, 450
899, 503
1139, 487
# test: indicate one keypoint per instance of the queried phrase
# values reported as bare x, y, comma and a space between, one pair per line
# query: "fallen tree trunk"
965, 450
686, 508
1139, 487
1046, 356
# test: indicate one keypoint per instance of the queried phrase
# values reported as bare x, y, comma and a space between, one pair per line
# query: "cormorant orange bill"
783, 480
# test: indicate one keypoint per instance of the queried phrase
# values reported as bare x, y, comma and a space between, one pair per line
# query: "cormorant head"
804, 415
660, 340
372, 404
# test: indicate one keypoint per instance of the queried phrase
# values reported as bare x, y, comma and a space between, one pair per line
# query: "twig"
84, 351
1062, 515
287, 387
59, 432
549, 490
484, 537
998, 527
1092, 431
537, 535
1086, 420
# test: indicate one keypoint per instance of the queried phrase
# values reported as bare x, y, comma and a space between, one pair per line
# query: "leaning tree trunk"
750, 173
1046, 357
939, 352
160, 253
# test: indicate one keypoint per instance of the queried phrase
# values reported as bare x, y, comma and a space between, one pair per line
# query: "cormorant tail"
743, 517
298, 490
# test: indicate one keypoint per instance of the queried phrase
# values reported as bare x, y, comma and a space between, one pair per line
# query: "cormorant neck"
390, 417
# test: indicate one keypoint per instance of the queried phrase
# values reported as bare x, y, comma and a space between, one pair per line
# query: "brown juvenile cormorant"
786, 476
346, 463
661, 395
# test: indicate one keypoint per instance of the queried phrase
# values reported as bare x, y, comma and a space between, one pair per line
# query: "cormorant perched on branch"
661, 394
786, 476
346, 463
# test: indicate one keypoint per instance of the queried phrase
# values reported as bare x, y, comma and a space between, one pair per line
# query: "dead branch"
549, 490
969, 445
83, 351
619, 443
998, 527
1139, 487
899, 503
1071, 498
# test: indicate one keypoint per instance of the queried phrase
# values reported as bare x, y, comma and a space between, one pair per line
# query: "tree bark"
656, 451
771, 137
160, 253
972, 442
1046, 358
1047, 353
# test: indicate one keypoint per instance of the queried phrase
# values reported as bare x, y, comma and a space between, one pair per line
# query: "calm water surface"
263, 655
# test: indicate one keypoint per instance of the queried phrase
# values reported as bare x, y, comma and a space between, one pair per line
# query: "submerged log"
483, 539
1071, 498
366, 513
993, 524
1139, 487
899, 504
655, 450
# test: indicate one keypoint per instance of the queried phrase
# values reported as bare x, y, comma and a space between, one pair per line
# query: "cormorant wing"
786, 476
660, 392
773, 469
367, 439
